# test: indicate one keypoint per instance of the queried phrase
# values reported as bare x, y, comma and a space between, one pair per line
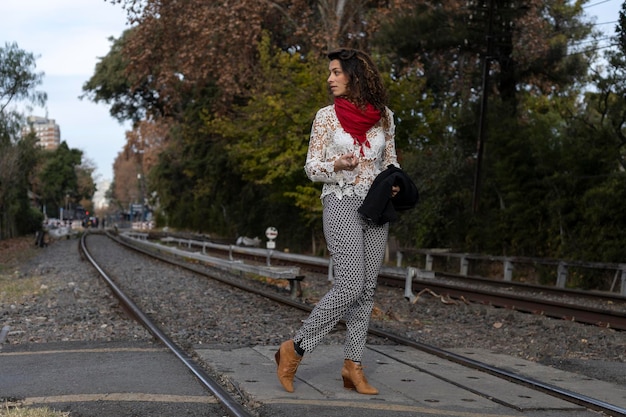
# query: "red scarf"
356, 121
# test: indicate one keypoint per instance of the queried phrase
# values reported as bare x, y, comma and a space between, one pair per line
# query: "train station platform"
143, 379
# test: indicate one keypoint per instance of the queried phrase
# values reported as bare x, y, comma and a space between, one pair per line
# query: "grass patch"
14, 251
14, 289
31, 412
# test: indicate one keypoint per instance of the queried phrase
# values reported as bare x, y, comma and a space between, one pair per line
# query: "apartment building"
47, 131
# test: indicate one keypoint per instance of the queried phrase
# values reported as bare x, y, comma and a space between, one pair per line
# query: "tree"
17, 77
594, 224
18, 83
112, 83
236, 107
59, 179
177, 48
528, 47
125, 188
267, 138
133, 164
85, 185
436, 160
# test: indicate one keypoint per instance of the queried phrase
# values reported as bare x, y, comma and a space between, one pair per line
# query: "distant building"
46, 130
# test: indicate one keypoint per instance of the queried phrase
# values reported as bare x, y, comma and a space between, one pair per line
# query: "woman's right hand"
346, 162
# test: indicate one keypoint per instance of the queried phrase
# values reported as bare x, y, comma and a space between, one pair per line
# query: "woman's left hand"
395, 189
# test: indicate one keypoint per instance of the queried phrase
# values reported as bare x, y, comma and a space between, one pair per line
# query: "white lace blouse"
329, 141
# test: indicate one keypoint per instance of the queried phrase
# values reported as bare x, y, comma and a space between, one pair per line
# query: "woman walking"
351, 142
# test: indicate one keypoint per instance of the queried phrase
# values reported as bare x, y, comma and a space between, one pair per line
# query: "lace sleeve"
318, 167
390, 156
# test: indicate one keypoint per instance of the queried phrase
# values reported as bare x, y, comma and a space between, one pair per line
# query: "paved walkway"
411, 383
113, 379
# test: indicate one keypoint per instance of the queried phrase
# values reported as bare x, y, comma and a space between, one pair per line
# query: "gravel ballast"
60, 298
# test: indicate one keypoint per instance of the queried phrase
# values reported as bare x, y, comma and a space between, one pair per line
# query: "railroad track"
236, 409
600, 309
228, 401
522, 298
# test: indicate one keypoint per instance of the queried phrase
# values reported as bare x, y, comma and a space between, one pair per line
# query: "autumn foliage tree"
236, 84
180, 47
133, 164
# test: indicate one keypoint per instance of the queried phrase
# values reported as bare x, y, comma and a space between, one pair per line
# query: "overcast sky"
69, 36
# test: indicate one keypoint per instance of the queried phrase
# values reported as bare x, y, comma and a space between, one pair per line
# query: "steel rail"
397, 277
555, 391
234, 408
565, 311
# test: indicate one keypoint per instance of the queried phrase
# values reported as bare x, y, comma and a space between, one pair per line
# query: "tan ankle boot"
353, 378
287, 360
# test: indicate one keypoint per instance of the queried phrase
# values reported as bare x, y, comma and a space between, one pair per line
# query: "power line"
591, 41
598, 48
596, 4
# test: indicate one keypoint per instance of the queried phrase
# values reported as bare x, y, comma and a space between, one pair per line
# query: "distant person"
351, 142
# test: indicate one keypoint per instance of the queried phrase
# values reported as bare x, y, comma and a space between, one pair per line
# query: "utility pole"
482, 123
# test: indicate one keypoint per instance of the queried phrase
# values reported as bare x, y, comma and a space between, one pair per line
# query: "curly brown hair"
365, 84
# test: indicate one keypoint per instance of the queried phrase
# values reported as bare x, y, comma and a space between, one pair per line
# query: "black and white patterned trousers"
357, 248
